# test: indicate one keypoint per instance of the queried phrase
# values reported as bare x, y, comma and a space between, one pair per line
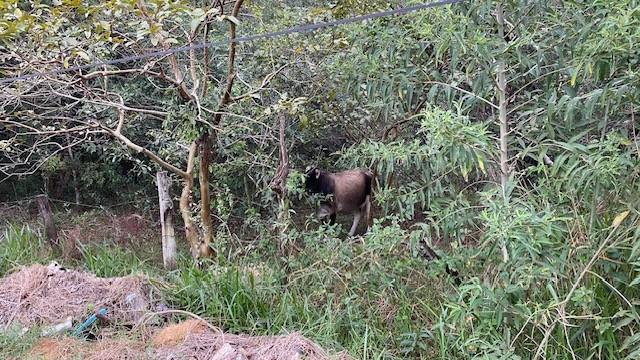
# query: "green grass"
15, 341
109, 260
20, 245
370, 299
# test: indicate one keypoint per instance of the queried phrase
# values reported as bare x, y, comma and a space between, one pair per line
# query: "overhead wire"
247, 38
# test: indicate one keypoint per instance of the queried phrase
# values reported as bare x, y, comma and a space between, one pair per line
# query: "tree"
38, 135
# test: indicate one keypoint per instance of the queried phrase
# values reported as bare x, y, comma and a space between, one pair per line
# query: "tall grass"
20, 245
378, 299
109, 260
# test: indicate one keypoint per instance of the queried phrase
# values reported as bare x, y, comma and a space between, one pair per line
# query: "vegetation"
503, 134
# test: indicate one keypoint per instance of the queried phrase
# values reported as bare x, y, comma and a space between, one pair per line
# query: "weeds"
15, 341
354, 296
20, 245
109, 260
377, 298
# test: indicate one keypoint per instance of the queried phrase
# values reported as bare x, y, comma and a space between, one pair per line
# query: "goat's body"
349, 191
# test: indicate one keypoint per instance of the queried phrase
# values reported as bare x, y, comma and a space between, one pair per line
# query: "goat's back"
351, 188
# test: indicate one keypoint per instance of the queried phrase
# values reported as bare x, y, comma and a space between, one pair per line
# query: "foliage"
550, 263
445, 149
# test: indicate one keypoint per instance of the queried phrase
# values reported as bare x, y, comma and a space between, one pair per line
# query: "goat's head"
312, 179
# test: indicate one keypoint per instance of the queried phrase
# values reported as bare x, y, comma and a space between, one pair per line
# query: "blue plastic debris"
90, 320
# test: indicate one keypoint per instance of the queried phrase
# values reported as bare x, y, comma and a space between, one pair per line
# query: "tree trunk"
279, 182
166, 221
190, 230
205, 209
47, 216
504, 126
202, 248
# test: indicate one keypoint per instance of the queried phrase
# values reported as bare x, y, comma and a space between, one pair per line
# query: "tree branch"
466, 92
111, 104
226, 95
263, 85
139, 149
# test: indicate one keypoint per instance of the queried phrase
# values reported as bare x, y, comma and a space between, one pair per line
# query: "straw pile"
71, 349
201, 343
188, 340
42, 295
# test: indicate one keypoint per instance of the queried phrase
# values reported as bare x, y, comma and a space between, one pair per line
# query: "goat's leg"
324, 212
332, 219
356, 220
367, 212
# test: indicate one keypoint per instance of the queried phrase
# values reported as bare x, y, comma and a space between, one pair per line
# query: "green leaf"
198, 17
480, 163
574, 76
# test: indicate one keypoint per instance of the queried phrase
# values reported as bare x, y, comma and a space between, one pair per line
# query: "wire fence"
292, 30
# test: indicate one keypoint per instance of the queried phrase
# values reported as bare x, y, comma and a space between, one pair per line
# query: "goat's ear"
309, 170
317, 172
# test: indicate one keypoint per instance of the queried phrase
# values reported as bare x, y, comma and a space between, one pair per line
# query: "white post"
166, 220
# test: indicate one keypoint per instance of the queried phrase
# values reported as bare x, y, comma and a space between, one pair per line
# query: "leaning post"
47, 217
166, 220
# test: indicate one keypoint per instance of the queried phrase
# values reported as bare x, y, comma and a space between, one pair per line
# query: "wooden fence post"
166, 221
47, 216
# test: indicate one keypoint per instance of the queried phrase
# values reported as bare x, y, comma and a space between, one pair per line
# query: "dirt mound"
53, 349
42, 295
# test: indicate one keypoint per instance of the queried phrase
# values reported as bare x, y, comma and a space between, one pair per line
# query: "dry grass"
188, 340
175, 334
42, 295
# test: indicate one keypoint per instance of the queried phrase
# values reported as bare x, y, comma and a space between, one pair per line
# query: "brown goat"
348, 191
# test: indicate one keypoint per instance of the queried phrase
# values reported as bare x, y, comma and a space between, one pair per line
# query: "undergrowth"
548, 272
20, 245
